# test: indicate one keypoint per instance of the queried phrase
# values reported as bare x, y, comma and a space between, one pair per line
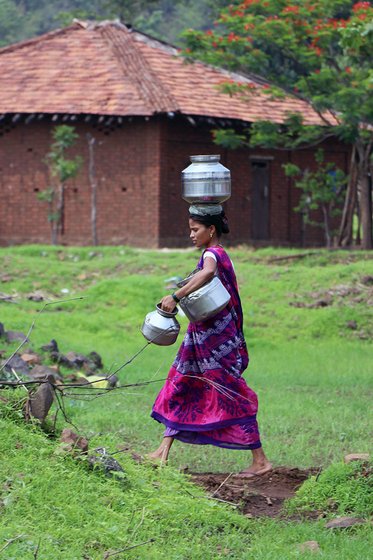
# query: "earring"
211, 234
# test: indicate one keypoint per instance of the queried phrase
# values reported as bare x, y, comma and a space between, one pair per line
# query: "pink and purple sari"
205, 399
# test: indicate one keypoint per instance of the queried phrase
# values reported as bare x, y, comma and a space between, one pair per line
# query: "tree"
165, 19
91, 140
10, 17
321, 189
317, 50
61, 170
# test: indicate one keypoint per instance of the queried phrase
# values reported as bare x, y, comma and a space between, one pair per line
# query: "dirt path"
258, 496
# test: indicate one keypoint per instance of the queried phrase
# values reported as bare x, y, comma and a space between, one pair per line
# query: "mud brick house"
148, 111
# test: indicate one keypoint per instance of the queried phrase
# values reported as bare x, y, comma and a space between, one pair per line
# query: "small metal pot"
205, 302
161, 327
206, 180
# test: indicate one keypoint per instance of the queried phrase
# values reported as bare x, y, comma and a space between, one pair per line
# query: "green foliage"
319, 52
342, 489
316, 51
10, 17
322, 188
228, 138
13, 401
164, 19
61, 170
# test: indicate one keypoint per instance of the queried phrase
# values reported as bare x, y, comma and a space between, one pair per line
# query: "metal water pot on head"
161, 327
206, 180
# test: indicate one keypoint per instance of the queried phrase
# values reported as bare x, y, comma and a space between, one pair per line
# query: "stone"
41, 401
40, 372
73, 442
36, 296
356, 457
351, 325
15, 336
344, 522
76, 359
89, 367
7, 297
103, 382
112, 380
20, 366
105, 461
51, 346
323, 302
367, 280
312, 546
31, 358
61, 360
96, 359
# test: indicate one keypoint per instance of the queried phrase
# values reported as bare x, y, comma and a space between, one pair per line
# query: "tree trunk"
93, 183
366, 210
326, 226
60, 208
54, 234
345, 233
365, 194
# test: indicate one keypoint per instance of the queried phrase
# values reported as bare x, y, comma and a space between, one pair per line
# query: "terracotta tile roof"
106, 69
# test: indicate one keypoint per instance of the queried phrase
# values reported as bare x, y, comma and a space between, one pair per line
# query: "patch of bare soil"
257, 496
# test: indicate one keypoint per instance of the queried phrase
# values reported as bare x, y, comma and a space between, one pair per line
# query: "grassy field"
309, 328
312, 373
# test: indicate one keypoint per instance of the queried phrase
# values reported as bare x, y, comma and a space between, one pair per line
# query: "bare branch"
10, 541
26, 339
111, 554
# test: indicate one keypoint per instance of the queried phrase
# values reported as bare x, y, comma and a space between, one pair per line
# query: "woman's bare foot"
156, 459
160, 456
259, 466
257, 470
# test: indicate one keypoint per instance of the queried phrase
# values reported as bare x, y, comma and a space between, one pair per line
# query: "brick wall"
180, 139
127, 170
138, 169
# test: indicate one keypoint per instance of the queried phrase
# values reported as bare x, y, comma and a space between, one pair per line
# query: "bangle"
175, 298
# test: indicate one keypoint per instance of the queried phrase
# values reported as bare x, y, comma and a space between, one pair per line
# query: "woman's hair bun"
219, 220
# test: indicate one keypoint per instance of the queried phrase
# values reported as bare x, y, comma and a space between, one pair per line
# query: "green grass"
77, 513
72, 513
343, 489
312, 373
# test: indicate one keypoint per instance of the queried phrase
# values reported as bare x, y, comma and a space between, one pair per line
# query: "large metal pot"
206, 180
161, 327
205, 302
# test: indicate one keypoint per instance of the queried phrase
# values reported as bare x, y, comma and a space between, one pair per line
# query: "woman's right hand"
167, 303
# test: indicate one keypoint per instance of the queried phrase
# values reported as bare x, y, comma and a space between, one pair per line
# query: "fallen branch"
18, 379
210, 498
110, 554
36, 553
290, 257
138, 525
222, 484
10, 541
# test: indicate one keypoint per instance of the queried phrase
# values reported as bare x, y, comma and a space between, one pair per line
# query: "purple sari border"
202, 427
205, 440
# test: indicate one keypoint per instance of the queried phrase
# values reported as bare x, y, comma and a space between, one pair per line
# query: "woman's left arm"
199, 279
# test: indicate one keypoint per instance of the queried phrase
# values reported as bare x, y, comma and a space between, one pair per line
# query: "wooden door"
260, 199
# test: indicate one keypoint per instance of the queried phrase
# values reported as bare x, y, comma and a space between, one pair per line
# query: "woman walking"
205, 399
